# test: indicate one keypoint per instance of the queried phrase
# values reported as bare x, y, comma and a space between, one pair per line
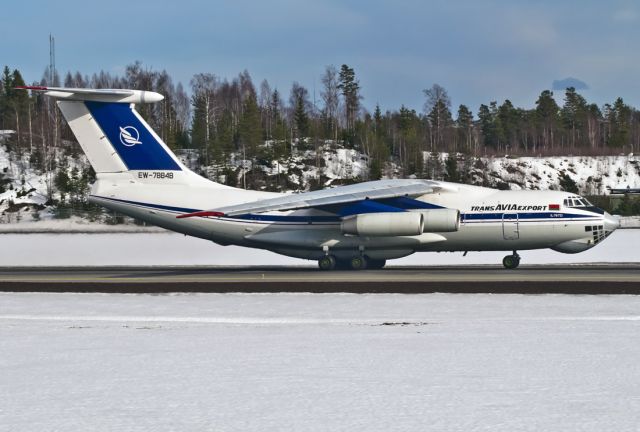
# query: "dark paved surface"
571, 279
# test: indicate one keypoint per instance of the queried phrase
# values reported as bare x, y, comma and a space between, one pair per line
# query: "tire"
358, 263
511, 262
327, 262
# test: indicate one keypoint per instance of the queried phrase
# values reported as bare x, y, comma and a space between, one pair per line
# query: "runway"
569, 279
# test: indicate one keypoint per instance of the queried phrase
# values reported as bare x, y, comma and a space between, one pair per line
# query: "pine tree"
487, 126
451, 167
620, 120
625, 206
300, 106
226, 136
199, 133
377, 120
350, 88
567, 184
464, 124
380, 151
573, 114
409, 152
6, 93
250, 127
547, 118
498, 128
375, 169
301, 118
508, 124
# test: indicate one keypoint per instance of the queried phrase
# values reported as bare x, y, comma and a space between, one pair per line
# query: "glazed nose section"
611, 223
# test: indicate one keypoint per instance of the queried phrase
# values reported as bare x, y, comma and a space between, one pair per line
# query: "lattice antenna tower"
52, 59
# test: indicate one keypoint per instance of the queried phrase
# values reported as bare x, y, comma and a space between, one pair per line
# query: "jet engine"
441, 220
383, 224
401, 223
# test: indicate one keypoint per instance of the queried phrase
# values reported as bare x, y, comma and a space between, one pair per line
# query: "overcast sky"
478, 50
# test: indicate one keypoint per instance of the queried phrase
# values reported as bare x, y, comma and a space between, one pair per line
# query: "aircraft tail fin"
111, 132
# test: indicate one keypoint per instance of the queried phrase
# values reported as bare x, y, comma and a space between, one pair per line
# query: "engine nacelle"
440, 220
384, 224
402, 223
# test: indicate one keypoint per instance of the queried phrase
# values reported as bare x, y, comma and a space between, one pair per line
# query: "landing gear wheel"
375, 264
327, 262
511, 261
358, 263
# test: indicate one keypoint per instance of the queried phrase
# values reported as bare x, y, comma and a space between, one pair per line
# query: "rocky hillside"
27, 195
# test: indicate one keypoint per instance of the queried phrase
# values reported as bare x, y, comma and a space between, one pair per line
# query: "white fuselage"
364, 225
490, 219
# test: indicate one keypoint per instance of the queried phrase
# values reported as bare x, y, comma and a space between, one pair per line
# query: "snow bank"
73, 224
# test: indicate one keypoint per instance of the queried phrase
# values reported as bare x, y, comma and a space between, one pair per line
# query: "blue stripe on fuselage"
529, 215
154, 206
468, 217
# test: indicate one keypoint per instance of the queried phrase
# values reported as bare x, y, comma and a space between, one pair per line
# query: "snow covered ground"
319, 362
143, 249
74, 224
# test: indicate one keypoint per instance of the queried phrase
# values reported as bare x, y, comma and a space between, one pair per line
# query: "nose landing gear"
511, 261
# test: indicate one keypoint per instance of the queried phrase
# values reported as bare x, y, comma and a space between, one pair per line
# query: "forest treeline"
222, 117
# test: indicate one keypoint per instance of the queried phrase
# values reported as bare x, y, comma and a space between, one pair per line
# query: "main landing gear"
327, 262
359, 262
511, 261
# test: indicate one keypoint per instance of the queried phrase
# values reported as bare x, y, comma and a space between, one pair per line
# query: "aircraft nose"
611, 223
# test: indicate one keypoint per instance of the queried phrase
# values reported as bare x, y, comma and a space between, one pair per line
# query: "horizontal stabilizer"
98, 95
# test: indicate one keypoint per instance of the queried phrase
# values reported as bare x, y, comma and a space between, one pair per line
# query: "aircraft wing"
374, 190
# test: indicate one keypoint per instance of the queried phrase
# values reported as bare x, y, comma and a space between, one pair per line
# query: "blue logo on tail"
138, 148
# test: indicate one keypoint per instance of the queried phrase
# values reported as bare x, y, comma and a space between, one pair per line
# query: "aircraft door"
510, 229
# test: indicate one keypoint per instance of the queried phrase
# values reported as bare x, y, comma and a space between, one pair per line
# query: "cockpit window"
577, 202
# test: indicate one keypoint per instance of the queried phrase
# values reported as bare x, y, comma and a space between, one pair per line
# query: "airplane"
358, 226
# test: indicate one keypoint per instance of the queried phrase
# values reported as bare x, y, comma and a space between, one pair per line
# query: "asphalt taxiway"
570, 279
